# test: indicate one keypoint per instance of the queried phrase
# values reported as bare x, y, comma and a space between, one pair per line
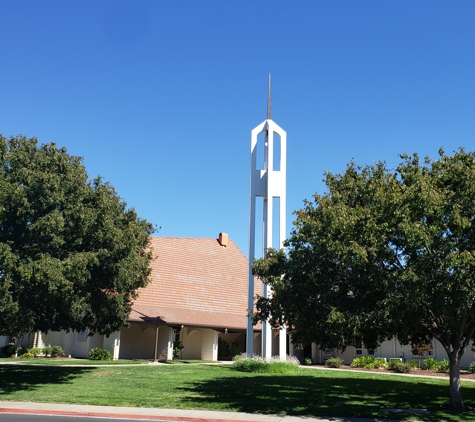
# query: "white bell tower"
268, 180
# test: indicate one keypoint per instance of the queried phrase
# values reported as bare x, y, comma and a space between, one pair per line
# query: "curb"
109, 415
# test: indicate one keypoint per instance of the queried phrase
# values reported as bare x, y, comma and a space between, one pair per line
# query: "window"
82, 335
358, 347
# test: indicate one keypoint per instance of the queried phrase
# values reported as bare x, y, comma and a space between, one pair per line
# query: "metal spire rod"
268, 100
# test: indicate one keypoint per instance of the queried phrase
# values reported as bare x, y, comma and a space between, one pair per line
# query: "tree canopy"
383, 253
72, 255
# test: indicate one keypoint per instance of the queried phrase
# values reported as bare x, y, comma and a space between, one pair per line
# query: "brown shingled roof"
196, 281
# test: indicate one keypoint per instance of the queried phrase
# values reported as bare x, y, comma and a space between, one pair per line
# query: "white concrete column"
165, 343
209, 344
171, 339
112, 343
314, 352
291, 346
282, 344
266, 347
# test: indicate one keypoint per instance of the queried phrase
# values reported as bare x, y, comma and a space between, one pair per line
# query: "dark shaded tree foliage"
71, 254
383, 253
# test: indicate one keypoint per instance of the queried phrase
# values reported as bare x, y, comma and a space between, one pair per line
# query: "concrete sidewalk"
139, 413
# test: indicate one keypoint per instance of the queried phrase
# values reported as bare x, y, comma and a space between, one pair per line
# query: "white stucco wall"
3, 341
69, 342
137, 341
393, 349
191, 343
81, 345
257, 343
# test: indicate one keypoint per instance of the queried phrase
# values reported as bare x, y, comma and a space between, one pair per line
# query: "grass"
214, 387
86, 362
66, 362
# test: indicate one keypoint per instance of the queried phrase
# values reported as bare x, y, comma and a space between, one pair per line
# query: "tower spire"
268, 99
267, 183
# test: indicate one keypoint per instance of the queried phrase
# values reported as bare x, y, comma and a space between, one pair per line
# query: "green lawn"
88, 362
64, 361
214, 387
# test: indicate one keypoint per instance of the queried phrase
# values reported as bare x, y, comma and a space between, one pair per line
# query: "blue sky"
159, 97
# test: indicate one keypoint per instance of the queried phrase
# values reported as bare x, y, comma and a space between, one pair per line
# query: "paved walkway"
141, 413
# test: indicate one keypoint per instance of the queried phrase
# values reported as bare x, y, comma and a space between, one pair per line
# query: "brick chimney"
223, 239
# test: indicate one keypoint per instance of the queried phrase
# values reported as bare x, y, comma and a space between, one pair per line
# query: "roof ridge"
187, 237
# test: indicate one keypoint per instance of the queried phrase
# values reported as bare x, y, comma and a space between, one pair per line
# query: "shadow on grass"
27, 378
328, 395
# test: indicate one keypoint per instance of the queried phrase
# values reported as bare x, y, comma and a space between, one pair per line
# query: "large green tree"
383, 253
72, 255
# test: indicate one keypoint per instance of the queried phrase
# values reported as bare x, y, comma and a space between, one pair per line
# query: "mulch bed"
464, 374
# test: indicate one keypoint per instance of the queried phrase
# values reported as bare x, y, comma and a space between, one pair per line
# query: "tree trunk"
455, 393
17, 340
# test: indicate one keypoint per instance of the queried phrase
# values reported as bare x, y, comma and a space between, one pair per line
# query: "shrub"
369, 362
413, 363
8, 351
28, 354
307, 361
235, 348
226, 350
334, 362
47, 351
100, 354
404, 368
36, 351
393, 362
431, 364
223, 349
177, 349
260, 365
380, 363
282, 367
245, 364
362, 362
444, 365
57, 352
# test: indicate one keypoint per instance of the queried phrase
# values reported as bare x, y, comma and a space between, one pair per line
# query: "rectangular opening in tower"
259, 228
261, 151
276, 222
277, 155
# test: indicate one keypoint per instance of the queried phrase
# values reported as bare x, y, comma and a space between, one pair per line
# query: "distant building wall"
394, 349
81, 344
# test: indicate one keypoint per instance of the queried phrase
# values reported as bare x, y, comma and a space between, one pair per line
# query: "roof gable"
196, 281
